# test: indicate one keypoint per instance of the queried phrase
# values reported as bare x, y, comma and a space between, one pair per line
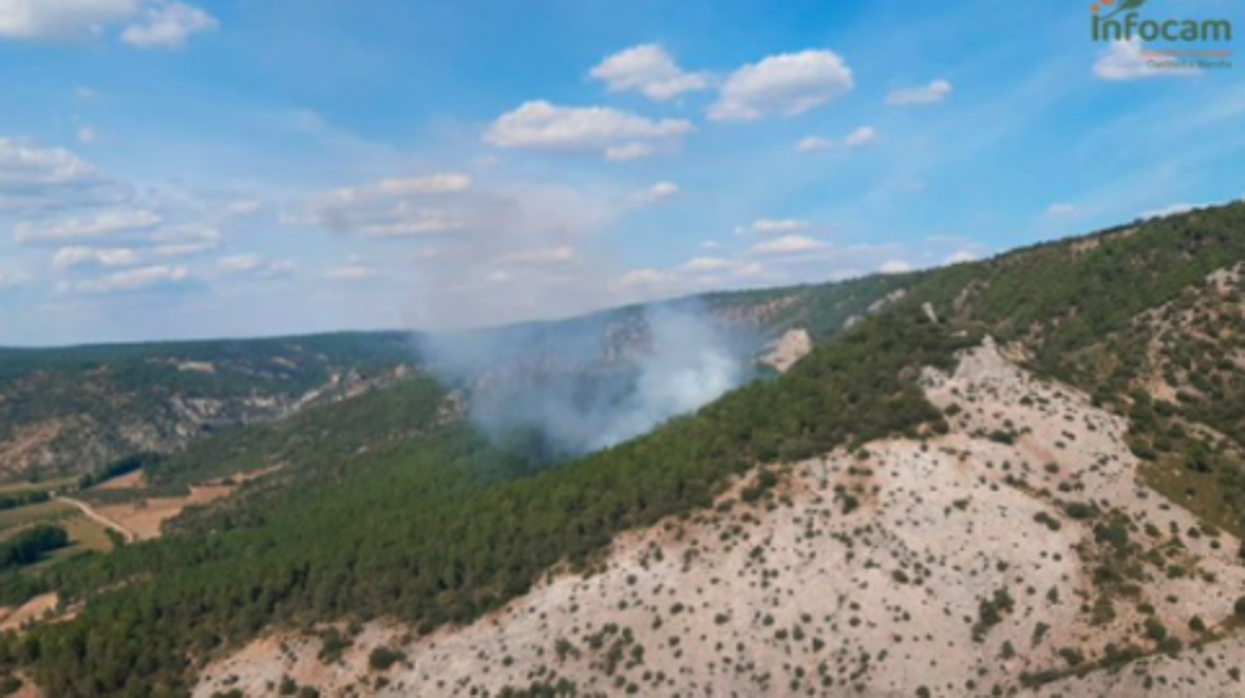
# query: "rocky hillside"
1013, 477
77, 410
994, 559
74, 411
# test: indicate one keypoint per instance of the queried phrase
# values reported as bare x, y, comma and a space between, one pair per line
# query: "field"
84, 533
44, 486
145, 518
852, 574
13, 520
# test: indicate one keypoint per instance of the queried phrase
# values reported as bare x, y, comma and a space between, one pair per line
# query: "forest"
432, 523
455, 526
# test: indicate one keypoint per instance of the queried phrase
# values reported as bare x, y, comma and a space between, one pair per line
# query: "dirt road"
86, 509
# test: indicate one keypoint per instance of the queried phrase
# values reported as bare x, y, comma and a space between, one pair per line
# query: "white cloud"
512, 218
895, 266
1171, 210
765, 226
279, 268
151, 23
550, 256
188, 249
404, 186
424, 224
26, 166
628, 152
240, 264
11, 278
643, 277
788, 244
786, 85
655, 194
647, 69
752, 269
932, 93
350, 273
535, 233
787, 260
861, 137
168, 25
73, 257
1124, 60
186, 232
814, 144
616, 134
243, 207
87, 135
1060, 209
704, 264
34, 179
960, 257
61, 19
256, 266
184, 240
392, 208
110, 225
133, 280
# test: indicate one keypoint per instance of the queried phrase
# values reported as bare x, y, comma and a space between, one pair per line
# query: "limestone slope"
1013, 553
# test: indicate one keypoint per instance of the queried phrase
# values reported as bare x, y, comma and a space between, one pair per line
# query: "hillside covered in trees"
78, 410
387, 506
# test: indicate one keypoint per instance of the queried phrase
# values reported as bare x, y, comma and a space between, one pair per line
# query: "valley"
956, 565
1018, 476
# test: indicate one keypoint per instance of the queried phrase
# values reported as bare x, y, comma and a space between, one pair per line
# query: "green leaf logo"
1125, 6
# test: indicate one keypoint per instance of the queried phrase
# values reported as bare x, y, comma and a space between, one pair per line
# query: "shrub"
334, 645
1080, 511
1072, 656
382, 658
10, 685
1047, 520
1155, 630
990, 613
850, 504
1006, 438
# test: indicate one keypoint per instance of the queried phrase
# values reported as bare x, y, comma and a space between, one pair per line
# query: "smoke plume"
577, 386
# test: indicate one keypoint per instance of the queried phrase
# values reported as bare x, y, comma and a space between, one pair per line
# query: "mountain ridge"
76, 410
458, 527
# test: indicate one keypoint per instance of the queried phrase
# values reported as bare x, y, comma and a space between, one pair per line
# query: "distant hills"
1024, 475
75, 410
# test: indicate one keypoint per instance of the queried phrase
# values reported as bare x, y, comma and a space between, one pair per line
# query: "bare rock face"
105, 420
791, 347
876, 307
1017, 553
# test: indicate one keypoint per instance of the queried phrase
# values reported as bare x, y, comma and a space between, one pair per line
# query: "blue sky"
248, 167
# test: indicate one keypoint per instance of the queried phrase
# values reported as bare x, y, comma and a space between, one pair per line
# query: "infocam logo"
1191, 43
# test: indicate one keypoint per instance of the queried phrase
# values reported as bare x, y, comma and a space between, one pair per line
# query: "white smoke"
595, 382
690, 364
